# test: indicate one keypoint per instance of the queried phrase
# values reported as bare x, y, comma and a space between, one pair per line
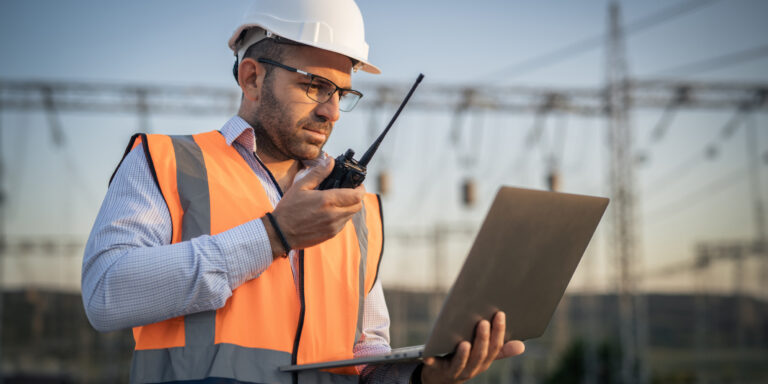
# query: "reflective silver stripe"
192, 184
361, 229
219, 360
200, 329
192, 181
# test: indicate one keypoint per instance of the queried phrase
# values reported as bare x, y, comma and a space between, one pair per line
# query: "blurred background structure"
660, 105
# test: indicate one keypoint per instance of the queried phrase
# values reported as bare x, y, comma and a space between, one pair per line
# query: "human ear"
250, 76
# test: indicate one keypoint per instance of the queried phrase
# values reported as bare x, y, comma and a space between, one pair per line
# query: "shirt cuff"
246, 251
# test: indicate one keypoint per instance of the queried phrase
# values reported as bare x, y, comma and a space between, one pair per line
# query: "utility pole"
562, 330
753, 153
701, 327
623, 205
438, 261
737, 252
2, 237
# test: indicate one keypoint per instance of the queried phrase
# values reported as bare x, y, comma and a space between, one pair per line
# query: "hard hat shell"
333, 25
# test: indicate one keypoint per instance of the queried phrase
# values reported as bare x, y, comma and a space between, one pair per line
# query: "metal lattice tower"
621, 179
755, 182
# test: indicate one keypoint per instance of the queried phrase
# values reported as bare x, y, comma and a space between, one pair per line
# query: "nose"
329, 110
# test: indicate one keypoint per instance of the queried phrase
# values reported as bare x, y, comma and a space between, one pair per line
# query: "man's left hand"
472, 359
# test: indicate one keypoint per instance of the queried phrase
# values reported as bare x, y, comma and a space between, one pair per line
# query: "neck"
282, 167
284, 171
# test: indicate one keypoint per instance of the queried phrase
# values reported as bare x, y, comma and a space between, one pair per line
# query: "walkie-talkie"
348, 172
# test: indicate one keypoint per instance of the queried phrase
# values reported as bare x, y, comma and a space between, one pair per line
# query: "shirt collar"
238, 130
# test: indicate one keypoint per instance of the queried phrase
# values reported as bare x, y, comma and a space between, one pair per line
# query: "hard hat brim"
363, 65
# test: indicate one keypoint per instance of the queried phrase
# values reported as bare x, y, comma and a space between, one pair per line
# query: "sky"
55, 191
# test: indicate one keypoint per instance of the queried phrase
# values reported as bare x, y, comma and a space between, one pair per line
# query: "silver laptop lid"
521, 262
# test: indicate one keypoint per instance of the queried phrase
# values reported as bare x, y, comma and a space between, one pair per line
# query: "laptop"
521, 262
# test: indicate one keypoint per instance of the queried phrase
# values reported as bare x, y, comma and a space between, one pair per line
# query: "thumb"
316, 175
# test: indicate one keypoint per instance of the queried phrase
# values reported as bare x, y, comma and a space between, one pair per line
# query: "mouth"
317, 135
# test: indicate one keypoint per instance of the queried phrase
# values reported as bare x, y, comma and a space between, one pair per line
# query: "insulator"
382, 182
553, 180
468, 192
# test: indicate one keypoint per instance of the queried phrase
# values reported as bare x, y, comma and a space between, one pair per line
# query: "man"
220, 252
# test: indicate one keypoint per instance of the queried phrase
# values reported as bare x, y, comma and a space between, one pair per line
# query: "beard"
281, 139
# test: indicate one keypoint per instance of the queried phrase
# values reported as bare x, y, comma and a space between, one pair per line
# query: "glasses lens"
320, 89
349, 100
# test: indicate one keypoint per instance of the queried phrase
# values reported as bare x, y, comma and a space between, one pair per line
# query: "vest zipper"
271, 177
300, 326
297, 339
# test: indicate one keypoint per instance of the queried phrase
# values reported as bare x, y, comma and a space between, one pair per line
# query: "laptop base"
399, 355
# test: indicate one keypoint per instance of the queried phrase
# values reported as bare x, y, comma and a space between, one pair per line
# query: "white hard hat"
333, 25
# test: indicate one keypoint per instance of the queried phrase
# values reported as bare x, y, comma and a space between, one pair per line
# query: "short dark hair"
267, 48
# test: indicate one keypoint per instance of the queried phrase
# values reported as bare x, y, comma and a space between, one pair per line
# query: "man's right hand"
307, 216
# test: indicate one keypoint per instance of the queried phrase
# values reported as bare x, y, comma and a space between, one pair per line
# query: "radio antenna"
372, 150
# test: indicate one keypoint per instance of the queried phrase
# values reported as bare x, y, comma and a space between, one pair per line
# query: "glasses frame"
312, 77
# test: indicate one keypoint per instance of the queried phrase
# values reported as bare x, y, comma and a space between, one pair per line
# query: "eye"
322, 83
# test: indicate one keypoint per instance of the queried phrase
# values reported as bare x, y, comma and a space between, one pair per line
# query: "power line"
718, 62
527, 144
662, 126
560, 54
677, 173
710, 150
697, 196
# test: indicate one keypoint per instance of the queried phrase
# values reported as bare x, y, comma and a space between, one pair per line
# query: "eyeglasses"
321, 89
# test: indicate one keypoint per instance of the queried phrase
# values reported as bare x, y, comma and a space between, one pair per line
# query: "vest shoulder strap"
136, 140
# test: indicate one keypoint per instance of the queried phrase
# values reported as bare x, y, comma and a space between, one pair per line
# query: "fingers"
343, 197
459, 360
469, 360
511, 348
479, 348
308, 217
496, 341
316, 175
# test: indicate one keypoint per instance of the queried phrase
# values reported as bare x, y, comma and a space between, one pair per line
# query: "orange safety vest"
265, 324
